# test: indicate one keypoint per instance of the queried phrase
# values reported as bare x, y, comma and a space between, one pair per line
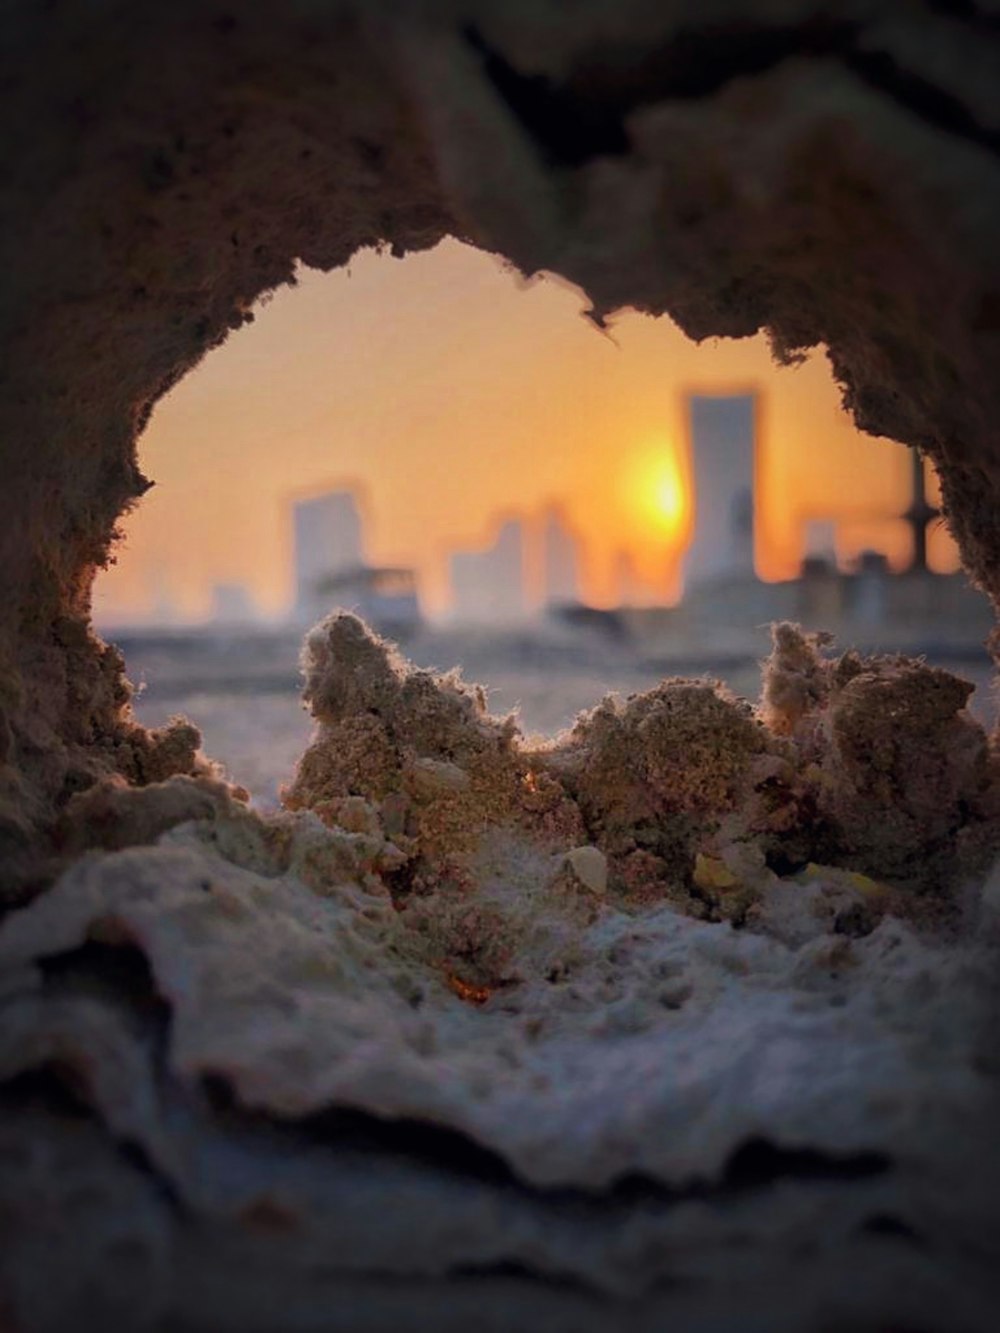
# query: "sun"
658, 494
668, 494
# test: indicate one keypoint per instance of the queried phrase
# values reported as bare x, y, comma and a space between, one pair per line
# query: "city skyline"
528, 562
451, 391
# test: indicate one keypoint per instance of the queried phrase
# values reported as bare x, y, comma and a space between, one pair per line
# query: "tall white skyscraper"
488, 586
328, 540
560, 559
723, 446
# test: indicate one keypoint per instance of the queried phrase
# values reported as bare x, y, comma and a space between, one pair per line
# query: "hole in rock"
465, 461
661, 1006
49, 1087
107, 972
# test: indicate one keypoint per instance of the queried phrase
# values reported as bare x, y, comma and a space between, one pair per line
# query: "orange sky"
451, 391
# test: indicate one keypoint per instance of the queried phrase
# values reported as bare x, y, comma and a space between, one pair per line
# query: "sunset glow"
668, 496
670, 500
449, 391
656, 492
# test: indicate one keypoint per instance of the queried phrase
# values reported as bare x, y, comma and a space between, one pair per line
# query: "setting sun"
657, 493
669, 494
502, 365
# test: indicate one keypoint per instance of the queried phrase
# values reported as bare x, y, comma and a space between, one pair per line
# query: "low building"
328, 537
487, 586
385, 597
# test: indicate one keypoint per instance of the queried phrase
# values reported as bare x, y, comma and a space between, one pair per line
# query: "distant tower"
488, 586
722, 454
920, 514
560, 559
164, 608
328, 540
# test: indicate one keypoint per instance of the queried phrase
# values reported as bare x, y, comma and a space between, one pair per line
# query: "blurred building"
232, 605
383, 596
726, 608
331, 573
329, 540
164, 608
560, 559
723, 448
819, 540
488, 586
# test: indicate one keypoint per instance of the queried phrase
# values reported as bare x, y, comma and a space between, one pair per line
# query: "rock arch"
829, 176
828, 179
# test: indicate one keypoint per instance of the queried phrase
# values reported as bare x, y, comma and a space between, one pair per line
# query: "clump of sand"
894, 776
460, 948
685, 793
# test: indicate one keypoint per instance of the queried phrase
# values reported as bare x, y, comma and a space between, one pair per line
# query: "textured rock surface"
416, 1028
826, 173
673, 1102
392, 1060
683, 792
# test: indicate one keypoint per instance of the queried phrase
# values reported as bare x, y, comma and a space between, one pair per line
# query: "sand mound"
473, 1007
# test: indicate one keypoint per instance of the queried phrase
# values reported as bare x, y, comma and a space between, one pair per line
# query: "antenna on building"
920, 513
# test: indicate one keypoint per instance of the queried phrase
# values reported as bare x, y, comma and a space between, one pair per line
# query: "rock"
804, 192
711, 872
590, 866
321, 1131
433, 777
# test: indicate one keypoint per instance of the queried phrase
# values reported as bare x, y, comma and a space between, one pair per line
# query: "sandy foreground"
694, 1005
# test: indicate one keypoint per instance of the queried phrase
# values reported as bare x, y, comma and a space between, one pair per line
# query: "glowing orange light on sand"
466, 991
